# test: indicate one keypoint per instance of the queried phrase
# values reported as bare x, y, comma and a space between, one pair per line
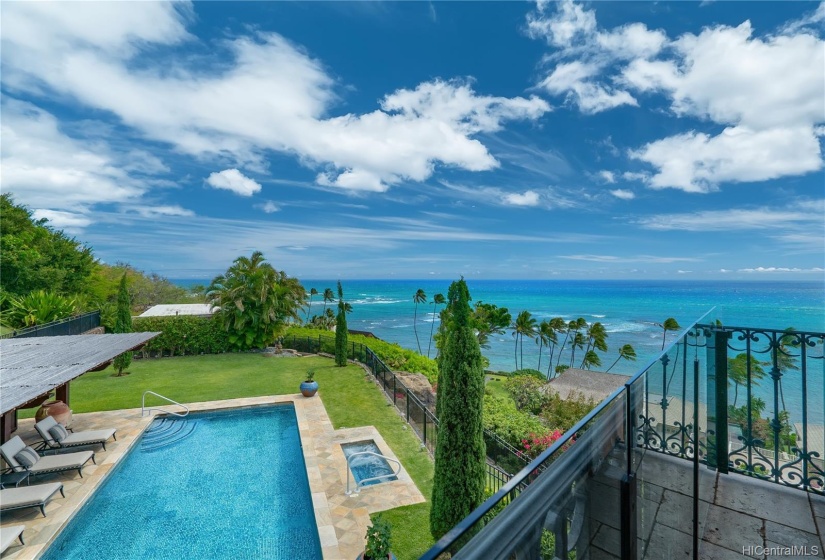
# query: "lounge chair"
29, 496
45, 464
9, 534
55, 435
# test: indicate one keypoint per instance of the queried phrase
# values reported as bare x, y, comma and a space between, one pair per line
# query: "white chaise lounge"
10, 534
55, 436
29, 496
17, 454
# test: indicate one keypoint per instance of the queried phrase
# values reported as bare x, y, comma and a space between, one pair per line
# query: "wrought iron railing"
71, 325
740, 400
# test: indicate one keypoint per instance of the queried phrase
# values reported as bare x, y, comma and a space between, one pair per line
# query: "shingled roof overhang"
31, 367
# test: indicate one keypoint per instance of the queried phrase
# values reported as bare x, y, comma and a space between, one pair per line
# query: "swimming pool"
235, 487
367, 466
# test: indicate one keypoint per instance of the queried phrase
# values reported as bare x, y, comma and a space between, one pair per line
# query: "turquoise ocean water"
628, 309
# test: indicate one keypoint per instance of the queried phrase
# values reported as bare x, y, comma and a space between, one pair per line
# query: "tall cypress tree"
458, 485
123, 323
341, 330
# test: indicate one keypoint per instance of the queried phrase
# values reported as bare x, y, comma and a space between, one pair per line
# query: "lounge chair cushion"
27, 457
10, 534
14, 498
58, 432
87, 436
62, 461
10, 449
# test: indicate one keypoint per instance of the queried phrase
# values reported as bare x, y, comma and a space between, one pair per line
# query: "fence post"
717, 409
425, 428
393, 388
408, 406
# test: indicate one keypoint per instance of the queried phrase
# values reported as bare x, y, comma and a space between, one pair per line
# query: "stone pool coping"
342, 520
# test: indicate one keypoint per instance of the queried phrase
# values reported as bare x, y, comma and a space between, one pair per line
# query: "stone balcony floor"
739, 517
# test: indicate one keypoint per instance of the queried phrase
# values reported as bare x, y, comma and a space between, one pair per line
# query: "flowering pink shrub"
536, 444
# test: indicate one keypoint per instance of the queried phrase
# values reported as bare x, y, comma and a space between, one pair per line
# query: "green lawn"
496, 386
350, 398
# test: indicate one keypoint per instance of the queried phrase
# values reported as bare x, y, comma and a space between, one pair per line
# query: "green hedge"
392, 354
183, 335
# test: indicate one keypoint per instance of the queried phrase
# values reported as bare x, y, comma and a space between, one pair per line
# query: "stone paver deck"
342, 520
739, 517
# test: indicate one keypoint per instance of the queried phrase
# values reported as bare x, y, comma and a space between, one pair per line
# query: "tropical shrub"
37, 308
534, 445
563, 414
392, 354
183, 335
34, 256
254, 301
527, 393
508, 422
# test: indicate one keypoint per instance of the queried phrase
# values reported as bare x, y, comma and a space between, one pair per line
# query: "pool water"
367, 466
235, 487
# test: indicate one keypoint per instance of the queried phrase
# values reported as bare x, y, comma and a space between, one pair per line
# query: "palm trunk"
515, 350
614, 363
561, 350
415, 330
589, 344
550, 360
541, 343
432, 327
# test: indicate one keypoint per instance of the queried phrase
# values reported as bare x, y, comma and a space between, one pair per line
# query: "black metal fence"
71, 325
502, 458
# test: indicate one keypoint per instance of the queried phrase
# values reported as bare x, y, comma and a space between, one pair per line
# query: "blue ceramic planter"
309, 388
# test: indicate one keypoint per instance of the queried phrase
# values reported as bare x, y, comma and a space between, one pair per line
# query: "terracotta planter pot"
58, 410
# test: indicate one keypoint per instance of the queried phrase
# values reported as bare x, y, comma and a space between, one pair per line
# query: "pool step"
166, 432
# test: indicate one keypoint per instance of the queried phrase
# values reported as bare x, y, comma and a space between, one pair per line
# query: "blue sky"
424, 140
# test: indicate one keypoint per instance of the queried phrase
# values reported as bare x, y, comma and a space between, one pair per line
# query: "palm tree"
542, 337
578, 342
525, 325
738, 373
627, 352
329, 296
596, 339
670, 324
570, 327
312, 292
418, 297
255, 301
591, 359
438, 299
555, 326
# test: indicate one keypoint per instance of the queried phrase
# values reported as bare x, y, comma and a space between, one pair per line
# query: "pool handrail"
360, 483
143, 408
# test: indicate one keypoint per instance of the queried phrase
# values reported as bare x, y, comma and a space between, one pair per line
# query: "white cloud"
235, 181
803, 214
772, 269
49, 170
697, 162
608, 176
266, 95
635, 176
70, 222
527, 198
684, 271
158, 211
628, 259
711, 76
623, 194
269, 207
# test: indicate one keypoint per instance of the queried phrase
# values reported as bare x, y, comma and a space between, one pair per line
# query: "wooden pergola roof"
31, 367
